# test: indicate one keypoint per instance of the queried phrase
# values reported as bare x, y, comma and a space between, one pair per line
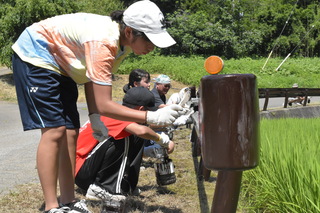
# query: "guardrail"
229, 177
287, 93
225, 147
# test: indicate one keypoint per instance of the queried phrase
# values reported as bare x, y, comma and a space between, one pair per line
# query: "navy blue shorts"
46, 98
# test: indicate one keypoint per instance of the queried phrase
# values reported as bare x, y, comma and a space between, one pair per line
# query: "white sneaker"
95, 192
78, 207
55, 210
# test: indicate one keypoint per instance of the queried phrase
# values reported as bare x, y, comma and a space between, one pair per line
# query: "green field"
304, 71
288, 176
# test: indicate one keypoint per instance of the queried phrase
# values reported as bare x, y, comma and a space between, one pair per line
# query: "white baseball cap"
162, 79
145, 16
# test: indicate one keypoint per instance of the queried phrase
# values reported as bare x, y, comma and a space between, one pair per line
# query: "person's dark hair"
117, 16
135, 76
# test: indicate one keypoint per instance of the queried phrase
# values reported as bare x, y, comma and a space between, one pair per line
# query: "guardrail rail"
267, 93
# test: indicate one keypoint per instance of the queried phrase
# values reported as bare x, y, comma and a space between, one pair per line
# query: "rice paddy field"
288, 176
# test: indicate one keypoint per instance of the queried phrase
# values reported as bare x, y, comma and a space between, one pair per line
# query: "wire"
277, 40
307, 33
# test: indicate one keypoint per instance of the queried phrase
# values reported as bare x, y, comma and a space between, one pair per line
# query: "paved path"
18, 148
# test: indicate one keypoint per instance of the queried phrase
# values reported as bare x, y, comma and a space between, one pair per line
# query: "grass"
189, 71
303, 71
7, 92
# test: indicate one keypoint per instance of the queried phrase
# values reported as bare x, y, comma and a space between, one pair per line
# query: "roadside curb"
297, 112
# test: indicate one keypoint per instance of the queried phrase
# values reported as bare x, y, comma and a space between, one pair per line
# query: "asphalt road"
18, 148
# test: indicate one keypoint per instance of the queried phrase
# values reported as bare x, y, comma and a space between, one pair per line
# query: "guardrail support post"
266, 101
227, 191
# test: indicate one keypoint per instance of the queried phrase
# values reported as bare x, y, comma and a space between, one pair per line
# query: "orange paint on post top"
213, 64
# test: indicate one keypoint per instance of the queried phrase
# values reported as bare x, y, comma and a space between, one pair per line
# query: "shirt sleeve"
100, 57
86, 142
116, 127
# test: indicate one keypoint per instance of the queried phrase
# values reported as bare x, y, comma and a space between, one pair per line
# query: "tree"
229, 28
16, 15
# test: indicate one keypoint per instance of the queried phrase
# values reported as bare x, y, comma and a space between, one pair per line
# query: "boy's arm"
142, 132
147, 133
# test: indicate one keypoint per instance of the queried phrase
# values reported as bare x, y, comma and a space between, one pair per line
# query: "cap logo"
164, 23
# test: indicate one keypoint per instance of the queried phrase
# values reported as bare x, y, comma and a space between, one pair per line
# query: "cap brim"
162, 39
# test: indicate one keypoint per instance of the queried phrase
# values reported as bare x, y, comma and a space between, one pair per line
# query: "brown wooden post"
229, 133
227, 191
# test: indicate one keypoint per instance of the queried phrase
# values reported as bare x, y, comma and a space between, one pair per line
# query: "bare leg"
67, 166
47, 163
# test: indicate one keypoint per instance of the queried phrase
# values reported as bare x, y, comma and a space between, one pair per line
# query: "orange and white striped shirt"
82, 46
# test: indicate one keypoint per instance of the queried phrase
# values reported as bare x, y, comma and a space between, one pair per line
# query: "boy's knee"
54, 133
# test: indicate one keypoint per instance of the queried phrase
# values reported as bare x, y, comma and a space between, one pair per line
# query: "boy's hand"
164, 140
170, 147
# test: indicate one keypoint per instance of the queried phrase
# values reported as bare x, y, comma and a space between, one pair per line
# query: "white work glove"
100, 131
182, 120
163, 140
180, 98
174, 99
185, 96
164, 116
